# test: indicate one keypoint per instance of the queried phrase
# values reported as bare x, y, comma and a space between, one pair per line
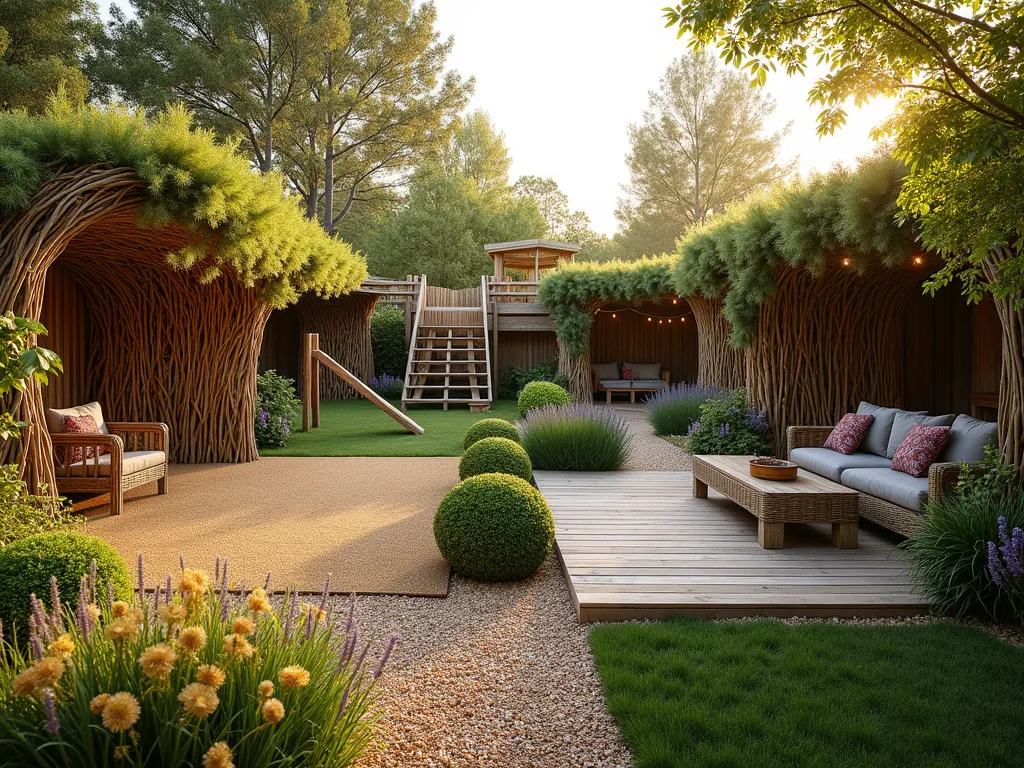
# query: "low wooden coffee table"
808, 499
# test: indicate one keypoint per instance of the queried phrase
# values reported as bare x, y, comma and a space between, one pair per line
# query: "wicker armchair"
942, 478
137, 454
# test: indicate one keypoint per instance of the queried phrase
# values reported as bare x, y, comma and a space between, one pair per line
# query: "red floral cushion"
849, 433
920, 449
627, 374
79, 425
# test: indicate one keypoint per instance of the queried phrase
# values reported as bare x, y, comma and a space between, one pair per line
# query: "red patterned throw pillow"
627, 374
849, 433
79, 425
920, 449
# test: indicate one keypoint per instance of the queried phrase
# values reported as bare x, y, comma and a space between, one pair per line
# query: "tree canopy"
477, 153
242, 219
42, 44
561, 222
700, 147
959, 123
345, 97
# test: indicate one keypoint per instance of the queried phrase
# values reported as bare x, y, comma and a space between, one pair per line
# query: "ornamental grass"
576, 438
671, 411
196, 675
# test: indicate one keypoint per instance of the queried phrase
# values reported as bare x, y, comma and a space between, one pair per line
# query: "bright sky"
564, 78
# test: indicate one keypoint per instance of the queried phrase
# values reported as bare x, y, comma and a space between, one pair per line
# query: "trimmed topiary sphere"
537, 394
494, 527
496, 454
491, 428
27, 565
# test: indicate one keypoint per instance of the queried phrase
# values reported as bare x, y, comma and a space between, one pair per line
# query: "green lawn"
358, 428
763, 693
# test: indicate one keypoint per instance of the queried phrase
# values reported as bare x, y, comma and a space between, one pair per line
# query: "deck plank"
636, 545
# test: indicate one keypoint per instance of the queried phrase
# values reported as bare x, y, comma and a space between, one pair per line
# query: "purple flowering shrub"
968, 557
728, 426
387, 386
673, 410
277, 409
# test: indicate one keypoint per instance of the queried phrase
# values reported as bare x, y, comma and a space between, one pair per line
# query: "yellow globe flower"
48, 671
172, 613
318, 615
199, 699
120, 608
243, 625
98, 703
237, 647
192, 639
93, 612
61, 647
193, 583
266, 689
258, 602
121, 712
121, 629
273, 711
294, 677
157, 661
218, 756
26, 684
211, 675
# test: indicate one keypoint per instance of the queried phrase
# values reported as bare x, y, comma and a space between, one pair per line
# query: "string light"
846, 262
614, 315
918, 260
675, 301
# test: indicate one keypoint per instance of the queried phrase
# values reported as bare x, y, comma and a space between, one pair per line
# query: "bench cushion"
897, 488
55, 417
968, 437
134, 461
832, 464
615, 383
649, 384
644, 370
605, 370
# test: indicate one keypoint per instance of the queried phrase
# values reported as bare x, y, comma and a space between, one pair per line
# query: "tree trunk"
344, 327
1011, 380
577, 370
719, 364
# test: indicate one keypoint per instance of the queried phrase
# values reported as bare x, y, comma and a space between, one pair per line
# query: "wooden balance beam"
313, 358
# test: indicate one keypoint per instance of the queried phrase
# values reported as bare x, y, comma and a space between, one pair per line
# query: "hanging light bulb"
660, 322
649, 320
675, 301
670, 319
846, 261
613, 315
918, 260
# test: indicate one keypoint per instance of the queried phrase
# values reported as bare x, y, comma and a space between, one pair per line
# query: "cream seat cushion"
55, 417
134, 461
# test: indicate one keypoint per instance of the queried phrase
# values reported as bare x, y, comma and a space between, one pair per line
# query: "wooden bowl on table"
772, 469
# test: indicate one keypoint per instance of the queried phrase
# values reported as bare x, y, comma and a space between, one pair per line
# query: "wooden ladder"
449, 357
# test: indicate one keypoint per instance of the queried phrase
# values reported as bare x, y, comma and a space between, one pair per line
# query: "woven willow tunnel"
344, 327
164, 346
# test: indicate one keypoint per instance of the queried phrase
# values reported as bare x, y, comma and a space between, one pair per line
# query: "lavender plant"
729, 426
672, 410
387, 386
277, 409
194, 676
578, 438
1006, 558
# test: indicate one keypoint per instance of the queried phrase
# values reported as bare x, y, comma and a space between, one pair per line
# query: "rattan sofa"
136, 453
942, 478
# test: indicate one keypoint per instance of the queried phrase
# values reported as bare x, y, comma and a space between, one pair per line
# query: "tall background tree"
701, 146
42, 47
458, 201
561, 222
958, 72
345, 97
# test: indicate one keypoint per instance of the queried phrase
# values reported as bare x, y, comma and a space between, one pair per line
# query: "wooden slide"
315, 357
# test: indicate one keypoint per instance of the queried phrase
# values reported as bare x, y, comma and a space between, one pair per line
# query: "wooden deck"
638, 545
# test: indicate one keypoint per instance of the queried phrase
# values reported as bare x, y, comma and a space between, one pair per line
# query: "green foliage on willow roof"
735, 257
242, 220
570, 292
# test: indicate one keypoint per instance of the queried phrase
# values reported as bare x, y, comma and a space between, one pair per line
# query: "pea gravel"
492, 675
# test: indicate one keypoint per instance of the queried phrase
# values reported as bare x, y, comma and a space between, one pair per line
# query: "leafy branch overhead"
242, 220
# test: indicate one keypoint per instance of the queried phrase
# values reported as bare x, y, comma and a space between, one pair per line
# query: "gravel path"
494, 675
650, 453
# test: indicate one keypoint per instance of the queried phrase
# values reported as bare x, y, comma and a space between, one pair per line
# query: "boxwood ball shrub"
576, 438
495, 454
537, 394
491, 428
494, 527
27, 565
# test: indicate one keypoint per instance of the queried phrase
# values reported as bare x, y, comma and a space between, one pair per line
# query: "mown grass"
359, 428
768, 694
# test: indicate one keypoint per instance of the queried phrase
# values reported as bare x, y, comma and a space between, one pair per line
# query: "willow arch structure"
177, 251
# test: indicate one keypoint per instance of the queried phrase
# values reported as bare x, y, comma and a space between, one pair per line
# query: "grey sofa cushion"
876, 441
906, 420
644, 370
897, 488
832, 464
967, 439
605, 370
649, 384
615, 383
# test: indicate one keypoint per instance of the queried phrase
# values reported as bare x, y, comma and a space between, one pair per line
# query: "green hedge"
494, 527
537, 394
26, 567
491, 428
387, 337
495, 454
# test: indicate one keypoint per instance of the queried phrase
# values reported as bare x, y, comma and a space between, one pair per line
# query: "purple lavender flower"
224, 578
169, 587
995, 567
327, 590
263, 417
50, 707
694, 429
723, 430
38, 651
1006, 559
39, 615
266, 584
757, 420
142, 583
56, 621
392, 641
181, 561
110, 594
216, 570
291, 618
344, 702
309, 623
